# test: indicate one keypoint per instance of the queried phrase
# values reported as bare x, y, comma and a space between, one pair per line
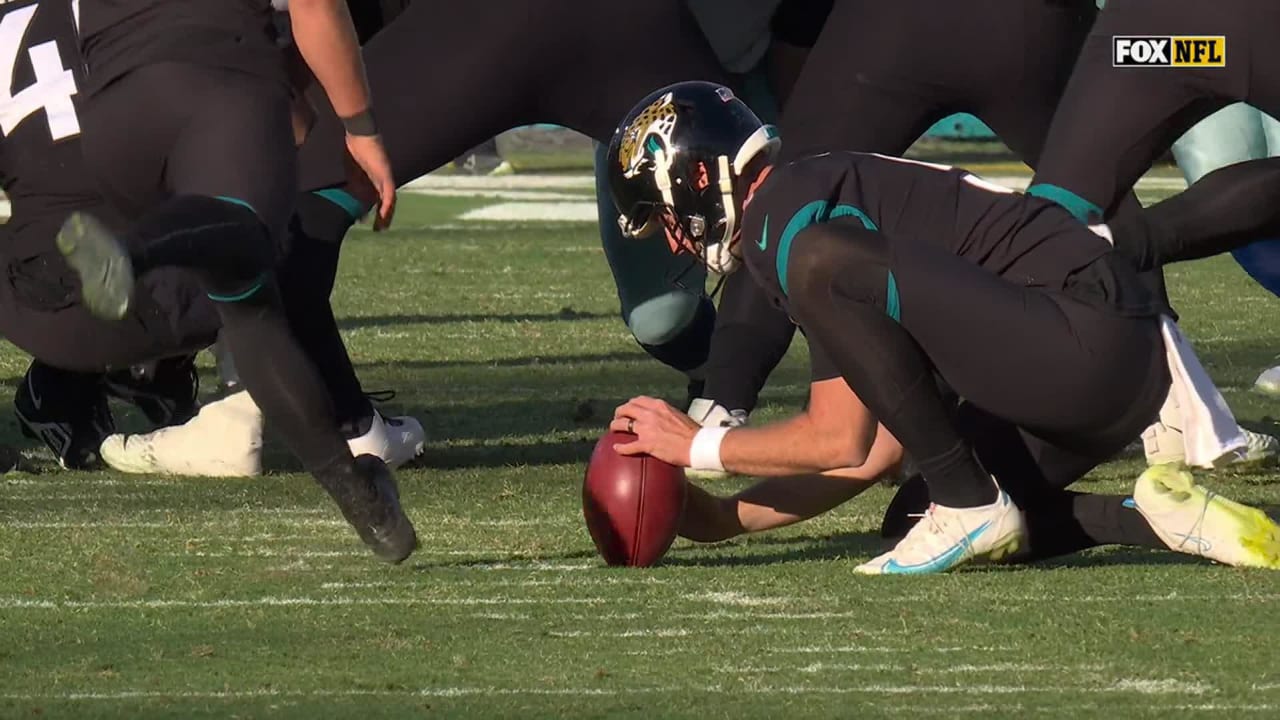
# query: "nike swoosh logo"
941, 562
763, 243
35, 398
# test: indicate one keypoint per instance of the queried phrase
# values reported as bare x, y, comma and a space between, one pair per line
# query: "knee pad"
659, 320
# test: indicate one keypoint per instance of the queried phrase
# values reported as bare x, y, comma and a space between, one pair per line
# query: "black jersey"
120, 35
41, 169
1026, 240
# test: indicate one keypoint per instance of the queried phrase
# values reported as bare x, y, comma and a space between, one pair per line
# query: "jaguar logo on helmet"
655, 123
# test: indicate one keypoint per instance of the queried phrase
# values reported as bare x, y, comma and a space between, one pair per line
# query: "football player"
1231, 135
513, 78
209, 184
62, 398
910, 92
305, 275
899, 273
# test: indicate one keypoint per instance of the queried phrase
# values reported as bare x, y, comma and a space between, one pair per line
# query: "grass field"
137, 597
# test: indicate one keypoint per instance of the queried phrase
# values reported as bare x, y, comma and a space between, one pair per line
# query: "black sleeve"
799, 22
820, 365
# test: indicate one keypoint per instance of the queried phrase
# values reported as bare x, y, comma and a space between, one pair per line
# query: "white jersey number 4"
54, 85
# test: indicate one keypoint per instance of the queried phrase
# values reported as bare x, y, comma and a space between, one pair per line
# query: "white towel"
1210, 432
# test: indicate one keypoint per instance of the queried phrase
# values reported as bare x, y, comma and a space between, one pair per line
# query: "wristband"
704, 453
361, 124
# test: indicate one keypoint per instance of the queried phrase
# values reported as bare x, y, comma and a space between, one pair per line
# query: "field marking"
660, 633
737, 598
821, 667
875, 689
545, 212
269, 601
837, 649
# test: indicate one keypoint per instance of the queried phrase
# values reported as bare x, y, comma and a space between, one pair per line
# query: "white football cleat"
946, 538
396, 440
224, 439
1268, 383
1193, 520
709, 413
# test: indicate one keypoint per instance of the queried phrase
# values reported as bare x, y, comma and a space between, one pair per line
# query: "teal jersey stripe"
236, 201
344, 200
255, 287
818, 211
1083, 210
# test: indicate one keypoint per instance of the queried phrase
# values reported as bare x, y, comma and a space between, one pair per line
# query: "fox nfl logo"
1169, 51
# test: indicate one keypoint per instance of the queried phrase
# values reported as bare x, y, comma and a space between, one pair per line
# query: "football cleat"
370, 501
1268, 383
224, 439
101, 262
1193, 520
709, 413
66, 411
946, 538
396, 440
166, 393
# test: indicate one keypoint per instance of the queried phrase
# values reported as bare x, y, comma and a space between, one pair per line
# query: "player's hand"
661, 430
371, 156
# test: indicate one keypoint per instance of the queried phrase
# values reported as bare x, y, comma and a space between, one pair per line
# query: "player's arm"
836, 431
326, 38
778, 502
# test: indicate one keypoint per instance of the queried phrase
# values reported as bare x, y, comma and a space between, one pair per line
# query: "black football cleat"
370, 501
67, 411
165, 392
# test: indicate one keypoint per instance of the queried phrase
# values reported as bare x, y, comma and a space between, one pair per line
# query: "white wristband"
704, 453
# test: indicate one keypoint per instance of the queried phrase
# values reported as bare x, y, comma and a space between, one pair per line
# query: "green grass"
148, 597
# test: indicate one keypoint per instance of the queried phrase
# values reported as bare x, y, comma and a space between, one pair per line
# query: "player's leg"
661, 295
1097, 148
228, 162
1166, 510
426, 119
889, 316
826, 110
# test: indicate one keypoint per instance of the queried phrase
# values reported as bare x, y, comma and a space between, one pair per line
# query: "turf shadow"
564, 314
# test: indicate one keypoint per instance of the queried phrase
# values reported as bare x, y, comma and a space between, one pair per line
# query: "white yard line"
874, 689
270, 601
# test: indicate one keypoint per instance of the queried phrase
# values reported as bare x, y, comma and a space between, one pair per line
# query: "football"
632, 504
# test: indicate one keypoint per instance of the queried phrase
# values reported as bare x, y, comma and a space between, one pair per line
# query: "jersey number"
54, 83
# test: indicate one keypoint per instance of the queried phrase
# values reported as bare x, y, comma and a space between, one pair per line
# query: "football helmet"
675, 162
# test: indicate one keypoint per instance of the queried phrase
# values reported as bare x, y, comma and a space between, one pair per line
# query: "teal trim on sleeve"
891, 304
818, 211
344, 200
236, 201
1083, 210
255, 287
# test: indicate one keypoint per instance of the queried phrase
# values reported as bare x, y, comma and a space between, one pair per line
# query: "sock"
751, 337
687, 351
281, 380
1071, 521
306, 278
